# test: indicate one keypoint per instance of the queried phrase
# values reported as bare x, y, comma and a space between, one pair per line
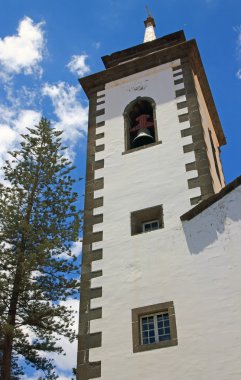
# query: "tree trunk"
7, 355
8, 335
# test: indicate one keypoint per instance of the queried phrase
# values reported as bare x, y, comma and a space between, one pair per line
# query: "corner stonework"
87, 340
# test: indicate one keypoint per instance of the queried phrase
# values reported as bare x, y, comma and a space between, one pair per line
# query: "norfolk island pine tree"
39, 221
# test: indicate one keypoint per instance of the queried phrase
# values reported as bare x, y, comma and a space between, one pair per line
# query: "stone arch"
140, 123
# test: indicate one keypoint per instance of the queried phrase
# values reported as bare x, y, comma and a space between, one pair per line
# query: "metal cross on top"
142, 123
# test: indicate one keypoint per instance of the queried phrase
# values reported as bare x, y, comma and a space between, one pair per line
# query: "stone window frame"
126, 125
139, 312
149, 214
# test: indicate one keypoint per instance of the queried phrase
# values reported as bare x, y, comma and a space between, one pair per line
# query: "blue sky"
46, 45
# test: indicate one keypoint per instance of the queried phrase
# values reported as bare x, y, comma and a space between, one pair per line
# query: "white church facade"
160, 283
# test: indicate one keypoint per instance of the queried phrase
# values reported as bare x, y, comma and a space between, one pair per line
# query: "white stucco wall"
195, 265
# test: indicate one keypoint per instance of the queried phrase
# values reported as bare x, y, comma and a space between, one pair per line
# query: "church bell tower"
154, 139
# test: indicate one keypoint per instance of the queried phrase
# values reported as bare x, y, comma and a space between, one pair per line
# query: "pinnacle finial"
148, 11
150, 25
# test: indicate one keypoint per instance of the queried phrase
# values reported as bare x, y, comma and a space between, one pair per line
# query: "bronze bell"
143, 137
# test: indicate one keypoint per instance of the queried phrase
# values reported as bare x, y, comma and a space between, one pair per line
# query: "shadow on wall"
204, 229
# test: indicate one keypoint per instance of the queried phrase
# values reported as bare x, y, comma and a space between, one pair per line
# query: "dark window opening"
140, 124
146, 220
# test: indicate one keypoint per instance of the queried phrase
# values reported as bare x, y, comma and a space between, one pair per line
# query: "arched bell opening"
140, 123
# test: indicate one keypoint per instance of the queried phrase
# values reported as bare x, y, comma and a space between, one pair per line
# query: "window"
140, 123
146, 220
151, 226
154, 327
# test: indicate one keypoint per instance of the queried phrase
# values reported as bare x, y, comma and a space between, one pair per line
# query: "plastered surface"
196, 264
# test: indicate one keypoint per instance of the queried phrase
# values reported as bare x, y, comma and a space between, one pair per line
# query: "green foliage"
38, 223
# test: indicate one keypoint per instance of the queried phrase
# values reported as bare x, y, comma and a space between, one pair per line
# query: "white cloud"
68, 361
76, 250
7, 134
63, 363
38, 374
238, 74
77, 65
12, 123
238, 30
26, 118
23, 51
8, 137
72, 115
33, 377
97, 45
21, 97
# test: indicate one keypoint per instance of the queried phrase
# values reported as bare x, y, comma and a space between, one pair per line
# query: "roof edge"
160, 43
211, 200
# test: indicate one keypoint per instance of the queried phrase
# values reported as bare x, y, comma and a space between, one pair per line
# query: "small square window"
154, 327
150, 226
146, 220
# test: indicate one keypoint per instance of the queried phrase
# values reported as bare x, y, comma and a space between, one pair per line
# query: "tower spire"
150, 27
